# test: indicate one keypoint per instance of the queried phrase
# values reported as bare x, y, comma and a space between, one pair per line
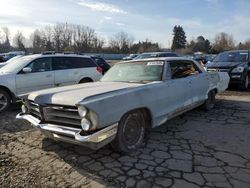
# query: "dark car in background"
2, 58
101, 63
156, 54
236, 63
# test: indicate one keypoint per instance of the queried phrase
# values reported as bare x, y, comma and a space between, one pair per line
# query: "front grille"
224, 70
218, 70
34, 109
61, 115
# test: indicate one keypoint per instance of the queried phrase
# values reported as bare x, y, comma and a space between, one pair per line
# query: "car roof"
158, 59
57, 55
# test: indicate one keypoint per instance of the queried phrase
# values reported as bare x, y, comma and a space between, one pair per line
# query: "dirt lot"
197, 149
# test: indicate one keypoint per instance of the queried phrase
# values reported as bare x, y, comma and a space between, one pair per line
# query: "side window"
62, 63
182, 69
41, 64
84, 62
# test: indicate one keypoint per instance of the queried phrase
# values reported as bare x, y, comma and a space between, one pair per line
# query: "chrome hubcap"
3, 101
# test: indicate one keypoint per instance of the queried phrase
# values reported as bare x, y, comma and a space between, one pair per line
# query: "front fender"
112, 106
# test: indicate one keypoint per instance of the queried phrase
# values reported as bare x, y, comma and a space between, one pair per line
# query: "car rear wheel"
4, 100
210, 101
131, 132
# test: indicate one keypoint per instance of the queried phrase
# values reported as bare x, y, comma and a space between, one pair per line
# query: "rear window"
61, 63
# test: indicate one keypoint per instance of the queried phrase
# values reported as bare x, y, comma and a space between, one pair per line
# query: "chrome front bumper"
72, 135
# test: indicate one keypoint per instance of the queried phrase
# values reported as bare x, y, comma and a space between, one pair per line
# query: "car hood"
72, 95
224, 64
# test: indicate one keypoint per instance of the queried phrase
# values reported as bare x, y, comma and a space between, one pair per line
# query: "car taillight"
99, 69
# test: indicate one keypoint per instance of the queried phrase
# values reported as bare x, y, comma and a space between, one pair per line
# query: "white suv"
36, 72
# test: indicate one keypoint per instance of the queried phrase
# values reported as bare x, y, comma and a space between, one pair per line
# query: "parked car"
10, 60
1, 58
101, 63
130, 98
155, 55
130, 57
10, 55
236, 64
36, 72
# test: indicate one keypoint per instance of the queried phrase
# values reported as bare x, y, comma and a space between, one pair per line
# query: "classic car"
131, 98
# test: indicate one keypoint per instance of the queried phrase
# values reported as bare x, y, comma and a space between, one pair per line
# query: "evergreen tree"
179, 39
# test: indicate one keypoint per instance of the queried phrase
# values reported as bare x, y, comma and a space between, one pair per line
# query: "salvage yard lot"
196, 149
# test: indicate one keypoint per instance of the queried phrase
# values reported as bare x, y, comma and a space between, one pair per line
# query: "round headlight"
85, 124
82, 111
24, 109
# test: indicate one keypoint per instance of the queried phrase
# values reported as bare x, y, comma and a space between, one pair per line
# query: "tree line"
63, 37
222, 42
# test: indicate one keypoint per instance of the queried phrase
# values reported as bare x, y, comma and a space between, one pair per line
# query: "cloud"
101, 7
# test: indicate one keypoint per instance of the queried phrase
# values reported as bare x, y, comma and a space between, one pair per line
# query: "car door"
198, 83
177, 90
65, 71
195, 79
40, 77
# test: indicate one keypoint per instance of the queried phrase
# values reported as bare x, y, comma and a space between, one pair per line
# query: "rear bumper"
72, 135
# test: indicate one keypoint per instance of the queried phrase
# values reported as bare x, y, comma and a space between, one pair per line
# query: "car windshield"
231, 57
15, 64
135, 72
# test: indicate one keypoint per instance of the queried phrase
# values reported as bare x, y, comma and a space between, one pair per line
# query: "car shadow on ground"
9, 123
167, 157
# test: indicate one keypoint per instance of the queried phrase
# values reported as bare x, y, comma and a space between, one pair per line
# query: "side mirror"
27, 70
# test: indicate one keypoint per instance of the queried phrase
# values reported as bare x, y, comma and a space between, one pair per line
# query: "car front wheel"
4, 100
244, 85
131, 132
210, 101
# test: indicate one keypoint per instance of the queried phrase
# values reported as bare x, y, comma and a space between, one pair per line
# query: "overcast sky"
153, 19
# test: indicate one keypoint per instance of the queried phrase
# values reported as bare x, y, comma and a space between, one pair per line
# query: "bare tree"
6, 46
47, 35
222, 42
19, 41
37, 42
121, 42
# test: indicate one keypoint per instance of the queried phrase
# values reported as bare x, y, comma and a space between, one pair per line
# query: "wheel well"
12, 96
86, 79
215, 90
147, 115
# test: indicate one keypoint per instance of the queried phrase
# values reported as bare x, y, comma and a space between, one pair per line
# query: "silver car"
35, 72
130, 98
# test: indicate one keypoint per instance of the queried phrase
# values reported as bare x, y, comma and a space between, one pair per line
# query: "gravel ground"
197, 149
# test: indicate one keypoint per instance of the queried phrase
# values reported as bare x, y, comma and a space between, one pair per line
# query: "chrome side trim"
73, 135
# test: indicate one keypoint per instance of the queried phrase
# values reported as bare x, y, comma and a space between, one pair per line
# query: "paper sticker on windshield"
154, 63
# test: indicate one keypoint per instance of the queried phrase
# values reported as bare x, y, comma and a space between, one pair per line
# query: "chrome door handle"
49, 75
